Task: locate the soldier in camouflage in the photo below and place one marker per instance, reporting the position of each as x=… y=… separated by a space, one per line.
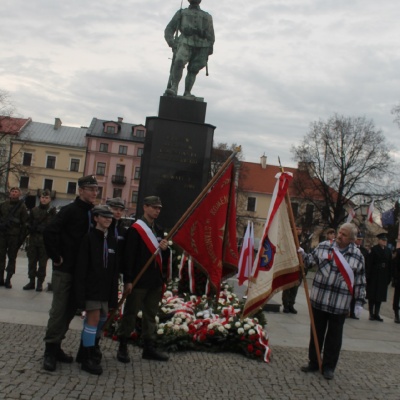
x=193 y=45
x=39 y=218
x=13 y=229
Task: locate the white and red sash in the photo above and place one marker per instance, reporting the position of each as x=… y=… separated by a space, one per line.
x=344 y=269
x=149 y=239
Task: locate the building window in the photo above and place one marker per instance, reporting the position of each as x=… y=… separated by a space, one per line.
x=123 y=150
x=137 y=173
x=27 y=159
x=120 y=170
x=51 y=162
x=110 y=129
x=74 y=164
x=140 y=152
x=139 y=133
x=117 y=192
x=135 y=196
x=24 y=182
x=101 y=168
x=251 y=204
x=48 y=184
x=104 y=147
x=71 y=188
x=99 y=193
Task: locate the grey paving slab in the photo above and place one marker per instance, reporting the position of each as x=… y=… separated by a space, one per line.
x=368 y=366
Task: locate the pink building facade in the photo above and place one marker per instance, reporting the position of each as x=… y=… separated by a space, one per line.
x=114 y=151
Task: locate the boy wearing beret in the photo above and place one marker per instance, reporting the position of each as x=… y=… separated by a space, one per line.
x=96 y=286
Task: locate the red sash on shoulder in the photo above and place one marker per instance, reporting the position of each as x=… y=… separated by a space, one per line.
x=344 y=268
x=149 y=239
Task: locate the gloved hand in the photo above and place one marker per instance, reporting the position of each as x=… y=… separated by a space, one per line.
x=301 y=251
x=358 y=309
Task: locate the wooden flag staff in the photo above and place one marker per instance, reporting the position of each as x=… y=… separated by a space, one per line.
x=172 y=232
x=301 y=264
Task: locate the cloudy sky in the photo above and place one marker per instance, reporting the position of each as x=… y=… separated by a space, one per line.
x=277 y=65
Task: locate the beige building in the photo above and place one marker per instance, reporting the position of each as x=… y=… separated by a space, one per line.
x=53 y=157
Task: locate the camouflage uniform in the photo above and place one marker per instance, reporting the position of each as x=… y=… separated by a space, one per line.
x=39 y=218
x=13 y=230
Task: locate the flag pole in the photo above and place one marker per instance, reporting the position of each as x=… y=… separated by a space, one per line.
x=172 y=232
x=301 y=264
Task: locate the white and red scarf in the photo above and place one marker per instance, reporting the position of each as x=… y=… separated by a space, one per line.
x=344 y=269
x=149 y=239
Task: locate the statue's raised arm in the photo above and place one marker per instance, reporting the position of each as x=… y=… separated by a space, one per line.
x=190 y=34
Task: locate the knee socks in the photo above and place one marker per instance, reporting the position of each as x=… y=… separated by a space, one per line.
x=103 y=319
x=88 y=335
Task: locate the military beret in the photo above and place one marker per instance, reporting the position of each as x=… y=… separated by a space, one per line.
x=104 y=211
x=152 y=201
x=89 y=180
x=382 y=236
x=116 y=202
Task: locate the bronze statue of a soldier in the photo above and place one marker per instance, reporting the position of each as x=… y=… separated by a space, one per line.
x=190 y=34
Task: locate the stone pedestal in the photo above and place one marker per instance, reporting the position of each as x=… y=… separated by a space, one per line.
x=177 y=156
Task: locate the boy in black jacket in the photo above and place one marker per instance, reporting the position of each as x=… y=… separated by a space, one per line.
x=96 y=286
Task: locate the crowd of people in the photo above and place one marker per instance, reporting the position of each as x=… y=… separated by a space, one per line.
x=347 y=276
x=91 y=249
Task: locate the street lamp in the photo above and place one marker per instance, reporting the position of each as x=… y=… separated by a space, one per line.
x=364 y=212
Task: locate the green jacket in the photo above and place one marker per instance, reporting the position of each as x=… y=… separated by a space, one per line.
x=13 y=218
x=39 y=218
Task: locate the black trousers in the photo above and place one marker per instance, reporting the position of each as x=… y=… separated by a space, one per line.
x=329 y=328
x=396 y=298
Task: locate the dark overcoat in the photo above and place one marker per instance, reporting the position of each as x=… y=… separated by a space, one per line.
x=378 y=273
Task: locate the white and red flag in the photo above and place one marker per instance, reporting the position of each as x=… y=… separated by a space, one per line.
x=351 y=215
x=370 y=211
x=246 y=258
x=276 y=266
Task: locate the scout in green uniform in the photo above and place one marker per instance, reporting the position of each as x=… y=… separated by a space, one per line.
x=39 y=218
x=13 y=229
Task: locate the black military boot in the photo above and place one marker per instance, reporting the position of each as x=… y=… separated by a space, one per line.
x=61 y=356
x=377 y=311
x=396 y=317
x=39 y=284
x=30 y=285
x=97 y=354
x=88 y=363
x=371 y=312
x=50 y=360
x=151 y=353
x=2 y=278
x=7 y=283
x=122 y=353
x=81 y=353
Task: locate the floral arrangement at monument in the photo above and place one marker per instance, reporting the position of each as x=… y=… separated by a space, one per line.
x=190 y=322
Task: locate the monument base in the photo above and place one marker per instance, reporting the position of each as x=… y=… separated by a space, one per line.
x=177 y=156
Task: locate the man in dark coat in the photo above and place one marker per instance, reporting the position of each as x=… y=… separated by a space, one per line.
x=379 y=275
x=39 y=218
x=118 y=227
x=13 y=230
x=396 y=283
x=142 y=240
x=62 y=239
x=364 y=252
